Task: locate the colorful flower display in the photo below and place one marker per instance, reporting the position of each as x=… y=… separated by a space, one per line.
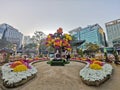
x=60 y=31
x=16 y=63
x=98 y=62
x=93 y=72
x=59 y=40
x=16 y=74
x=20 y=68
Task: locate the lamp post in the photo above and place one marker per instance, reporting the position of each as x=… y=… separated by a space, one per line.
x=105 y=55
x=15 y=49
x=38 y=49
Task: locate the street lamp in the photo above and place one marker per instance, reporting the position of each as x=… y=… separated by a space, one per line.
x=15 y=48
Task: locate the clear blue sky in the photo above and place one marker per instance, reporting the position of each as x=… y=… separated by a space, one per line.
x=48 y=15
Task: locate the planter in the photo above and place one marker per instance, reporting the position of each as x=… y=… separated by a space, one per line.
x=13 y=79
x=23 y=81
x=94 y=77
x=97 y=82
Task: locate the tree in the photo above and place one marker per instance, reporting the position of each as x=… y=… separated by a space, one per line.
x=33 y=39
x=80 y=52
x=116 y=56
x=50 y=49
x=10 y=45
x=38 y=36
x=30 y=46
x=106 y=56
x=91 y=48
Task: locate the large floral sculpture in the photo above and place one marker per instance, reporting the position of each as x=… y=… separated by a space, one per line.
x=17 y=73
x=59 y=41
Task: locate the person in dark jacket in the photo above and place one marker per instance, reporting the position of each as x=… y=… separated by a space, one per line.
x=68 y=56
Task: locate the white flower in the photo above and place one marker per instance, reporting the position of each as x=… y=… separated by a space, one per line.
x=14 y=77
x=92 y=75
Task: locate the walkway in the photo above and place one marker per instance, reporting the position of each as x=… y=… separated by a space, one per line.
x=66 y=78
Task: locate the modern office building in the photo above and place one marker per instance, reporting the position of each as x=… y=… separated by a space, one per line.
x=113 y=31
x=93 y=34
x=11 y=34
x=75 y=33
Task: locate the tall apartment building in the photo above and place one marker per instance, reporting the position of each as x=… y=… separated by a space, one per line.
x=113 y=31
x=93 y=34
x=11 y=34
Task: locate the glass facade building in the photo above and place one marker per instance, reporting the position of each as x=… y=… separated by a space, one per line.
x=11 y=34
x=113 y=31
x=75 y=33
x=93 y=34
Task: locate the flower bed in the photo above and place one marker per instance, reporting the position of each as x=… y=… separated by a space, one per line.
x=17 y=73
x=96 y=74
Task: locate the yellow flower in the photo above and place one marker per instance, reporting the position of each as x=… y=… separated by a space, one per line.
x=95 y=66
x=69 y=49
x=52 y=40
x=70 y=38
x=20 y=68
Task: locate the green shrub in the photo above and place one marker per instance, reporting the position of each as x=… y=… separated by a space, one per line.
x=60 y=62
x=57 y=63
x=41 y=55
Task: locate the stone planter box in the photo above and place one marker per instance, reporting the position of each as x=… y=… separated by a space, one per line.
x=23 y=81
x=97 y=82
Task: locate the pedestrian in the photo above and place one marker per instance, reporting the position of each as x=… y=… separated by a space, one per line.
x=68 y=56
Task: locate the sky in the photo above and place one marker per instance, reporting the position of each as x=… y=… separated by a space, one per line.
x=29 y=16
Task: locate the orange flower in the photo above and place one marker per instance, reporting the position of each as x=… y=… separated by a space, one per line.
x=60 y=31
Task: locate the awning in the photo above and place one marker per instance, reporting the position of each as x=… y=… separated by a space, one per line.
x=78 y=42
